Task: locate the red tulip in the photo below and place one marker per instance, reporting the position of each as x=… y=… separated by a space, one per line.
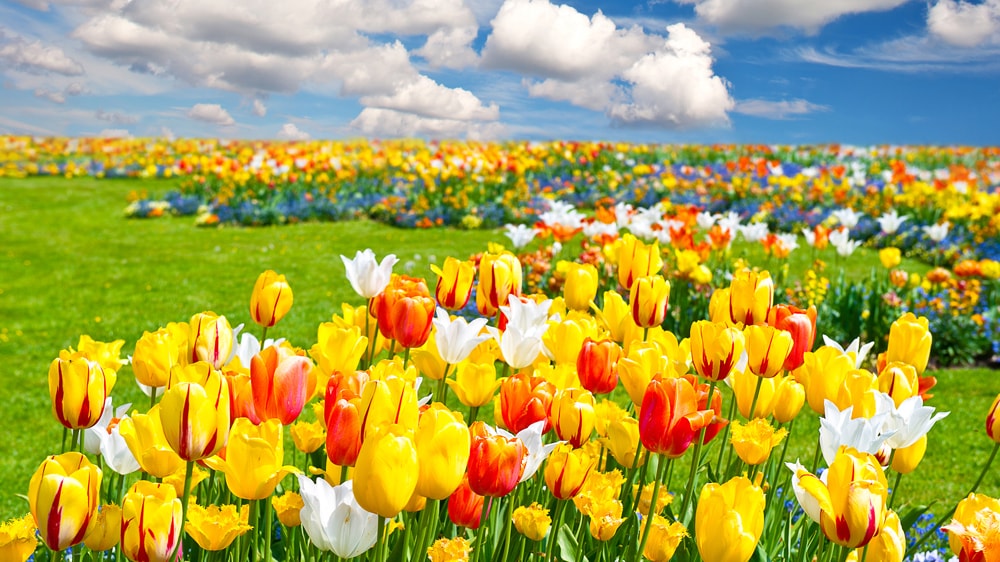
x=524 y=400
x=597 y=365
x=801 y=324
x=670 y=420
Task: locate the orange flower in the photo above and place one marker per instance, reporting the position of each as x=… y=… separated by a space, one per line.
x=801 y=324
x=597 y=365
x=404 y=311
x=669 y=420
x=524 y=400
x=279 y=382
x=495 y=463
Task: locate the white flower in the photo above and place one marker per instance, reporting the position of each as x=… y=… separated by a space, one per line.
x=789 y=241
x=841 y=239
x=729 y=221
x=847 y=217
x=810 y=235
x=837 y=428
x=530 y=317
x=910 y=421
x=706 y=220
x=333 y=520
x=456 y=338
x=597 y=228
x=531 y=436
x=563 y=214
x=249 y=345
x=810 y=504
x=754 y=232
x=520 y=235
x=623 y=215
x=518 y=349
x=890 y=222
x=368 y=277
x=109 y=442
x=854 y=349
x=937 y=232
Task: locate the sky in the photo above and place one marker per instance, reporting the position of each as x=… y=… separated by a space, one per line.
x=695 y=71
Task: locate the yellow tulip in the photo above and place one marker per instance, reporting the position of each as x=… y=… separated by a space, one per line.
x=972 y=526
x=649 y=299
x=581 y=285
x=253 y=462
x=729 y=520
x=822 y=374
x=767 y=349
x=616 y=318
x=338 y=349
x=644 y=361
x=499 y=277
x=427 y=359
x=600 y=488
x=157 y=352
x=664 y=538
x=454 y=283
x=63 y=495
x=605 y=519
x=287 y=506
x=143 y=433
x=890 y=257
x=449 y=550
x=909 y=342
x=307 y=436
x=623 y=440
x=107 y=354
x=715 y=349
x=636 y=259
x=475 y=384
x=788 y=400
x=900 y=381
x=195 y=411
x=105 y=529
x=17 y=539
x=744 y=385
x=443 y=442
x=564 y=339
x=216 y=527
x=389 y=401
x=79 y=388
x=533 y=522
x=905 y=460
x=567 y=470
x=754 y=441
x=644 y=499
x=572 y=415
x=889 y=545
x=210 y=339
x=386 y=471
x=151 y=522
x=751 y=294
x=271 y=299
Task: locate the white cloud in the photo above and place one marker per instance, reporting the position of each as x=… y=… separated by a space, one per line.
x=75 y=89
x=591 y=94
x=450 y=48
x=965 y=24
x=116 y=117
x=52 y=96
x=388 y=123
x=211 y=113
x=115 y=133
x=675 y=86
x=427 y=98
x=761 y=16
x=782 y=109
x=36 y=57
x=259 y=109
x=912 y=53
x=289 y=131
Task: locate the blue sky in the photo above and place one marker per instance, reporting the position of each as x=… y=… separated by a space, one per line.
x=747 y=71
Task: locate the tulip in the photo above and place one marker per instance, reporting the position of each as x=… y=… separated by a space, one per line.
x=900 y=381
x=565 y=337
x=450 y=550
x=338 y=349
x=253 y=461
x=216 y=527
x=143 y=434
x=443 y=444
x=751 y=294
x=789 y=398
x=745 y=386
x=891 y=221
x=241 y=403
x=636 y=259
x=729 y=520
x=307 y=436
x=271 y=299
x=993 y=420
x=151 y=522
x=367 y=276
x=79 y=388
x=495 y=463
x=533 y=522
x=801 y=324
x=385 y=402
x=767 y=349
x=404 y=311
x=623 y=440
x=909 y=342
x=104 y=438
x=454 y=283
x=17 y=539
x=334 y=520
x=537 y=452
x=157 y=352
x=572 y=415
x=644 y=361
x=279 y=380
x=972 y=533
x=288 y=507
x=195 y=411
x=63 y=495
x=850 y=506
x=906 y=459
x=499 y=277
x=715 y=349
x=465 y=507
x=754 y=441
x=386 y=471
x=210 y=339
x=597 y=365
x=616 y=318
x=457 y=338
x=889 y=545
x=649 y=298
x=524 y=400
x=105 y=529
x=605 y=519
x=567 y=471
x=580 y=287
x=823 y=373
x=890 y=257
x=475 y=383
x=669 y=419
x=664 y=538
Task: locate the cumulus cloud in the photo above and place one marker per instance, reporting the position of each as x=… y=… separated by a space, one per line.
x=591 y=94
x=675 y=86
x=427 y=98
x=37 y=57
x=211 y=113
x=389 y=123
x=52 y=96
x=782 y=109
x=289 y=131
x=450 y=48
x=259 y=109
x=761 y=16
x=965 y=24
x=116 y=117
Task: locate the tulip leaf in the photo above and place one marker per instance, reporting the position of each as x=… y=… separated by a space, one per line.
x=569 y=549
x=759 y=555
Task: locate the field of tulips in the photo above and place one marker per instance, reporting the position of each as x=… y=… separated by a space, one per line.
x=487 y=421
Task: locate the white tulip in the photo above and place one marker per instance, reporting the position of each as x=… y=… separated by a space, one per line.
x=368 y=277
x=456 y=337
x=333 y=520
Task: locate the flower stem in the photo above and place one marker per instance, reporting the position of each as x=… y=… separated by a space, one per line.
x=553 y=534
x=268 y=531
x=188 y=472
x=660 y=472
x=695 y=460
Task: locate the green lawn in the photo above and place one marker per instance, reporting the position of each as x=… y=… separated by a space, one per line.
x=71 y=264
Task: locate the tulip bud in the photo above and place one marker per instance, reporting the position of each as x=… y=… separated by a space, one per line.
x=495 y=464
x=636 y=259
x=899 y=381
x=649 y=299
x=151 y=522
x=157 y=352
x=79 y=388
x=465 y=507
x=271 y=299
x=572 y=415
x=993 y=420
x=279 y=380
x=63 y=495
x=567 y=470
x=767 y=349
x=623 y=440
x=905 y=460
x=801 y=324
x=499 y=277
x=909 y=342
x=751 y=294
x=581 y=285
x=386 y=472
x=715 y=349
x=664 y=538
x=211 y=339
x=443 y=443
x=195 y=411
x=789 y=398
x=104 y=529
x=597 y=365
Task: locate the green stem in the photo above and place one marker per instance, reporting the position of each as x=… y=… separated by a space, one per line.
x=756 y=396
x=380 y=540
x=65 y=434
x=442 y=389
x=695 y=460
x=660 y=472
x=725 y=437
x=371 y=344
x=554 y=532
x=188 y=472
x=895 y=486
x=406 y=357
x=152 y=397
x=473 y=412
x=263 y=335
x=343 y=473
x=508 y=523
x=268 y=530
x=483 y=531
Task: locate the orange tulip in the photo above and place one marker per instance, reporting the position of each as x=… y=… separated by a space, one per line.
x=524 y=400
x=465 y=507
x=495 y=463
x=404 y=311
x=279 y=381
x=801 y=324
x=597 y=365
x=669 y=420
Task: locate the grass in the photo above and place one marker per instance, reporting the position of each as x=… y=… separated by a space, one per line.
x=70 y=264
